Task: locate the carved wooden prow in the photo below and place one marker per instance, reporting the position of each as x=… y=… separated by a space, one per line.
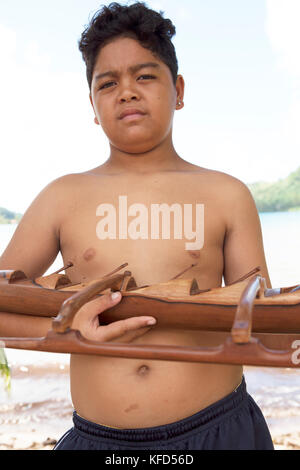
x=55 y=280
x=12 y=276
x=242 y=325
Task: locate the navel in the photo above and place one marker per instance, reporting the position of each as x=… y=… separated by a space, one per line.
x=89 y=254
x=143 y=370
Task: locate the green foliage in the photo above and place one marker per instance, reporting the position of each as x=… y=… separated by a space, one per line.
x=284 y=195
x=5 y=370
x=8 y=217
x=6 y=213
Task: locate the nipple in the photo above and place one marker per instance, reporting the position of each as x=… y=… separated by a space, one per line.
x=89 y=254
x=195 y=254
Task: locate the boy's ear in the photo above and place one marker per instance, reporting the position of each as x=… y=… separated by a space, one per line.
x=95 y=118
x=180 y=92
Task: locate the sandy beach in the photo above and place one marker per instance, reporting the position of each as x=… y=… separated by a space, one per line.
x=38 y=409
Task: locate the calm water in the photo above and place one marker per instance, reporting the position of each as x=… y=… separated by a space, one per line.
x=281 y=234
x=40 y=396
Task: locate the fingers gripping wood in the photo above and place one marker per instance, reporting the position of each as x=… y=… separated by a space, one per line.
x=71 y=306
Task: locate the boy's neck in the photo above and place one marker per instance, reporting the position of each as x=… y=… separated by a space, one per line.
x=159 y=159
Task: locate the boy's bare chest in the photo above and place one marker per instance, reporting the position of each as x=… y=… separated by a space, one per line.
x=158 y=229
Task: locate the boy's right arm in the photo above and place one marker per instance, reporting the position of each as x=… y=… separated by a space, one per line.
x=32 y=249
x=35 y=243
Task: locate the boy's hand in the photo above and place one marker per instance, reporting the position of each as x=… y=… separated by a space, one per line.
x=87 y=322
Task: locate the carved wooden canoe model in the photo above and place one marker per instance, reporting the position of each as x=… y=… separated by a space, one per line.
x=254 y=316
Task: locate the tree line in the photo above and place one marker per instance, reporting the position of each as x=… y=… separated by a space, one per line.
x=9 y=217
x=283 y=195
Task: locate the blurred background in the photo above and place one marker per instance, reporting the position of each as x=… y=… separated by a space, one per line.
x=241 y=64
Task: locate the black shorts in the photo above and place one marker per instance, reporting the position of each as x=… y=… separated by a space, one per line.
x=233 y=423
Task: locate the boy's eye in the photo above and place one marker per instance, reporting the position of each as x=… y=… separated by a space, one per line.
x=106 y=85
x=109 y=84
x=146 y=76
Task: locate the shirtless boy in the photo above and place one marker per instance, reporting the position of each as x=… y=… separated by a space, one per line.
x=129 y=403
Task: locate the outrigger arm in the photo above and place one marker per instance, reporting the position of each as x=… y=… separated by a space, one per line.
x=240 y=347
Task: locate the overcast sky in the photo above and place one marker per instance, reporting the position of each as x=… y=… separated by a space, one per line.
x=241 y=64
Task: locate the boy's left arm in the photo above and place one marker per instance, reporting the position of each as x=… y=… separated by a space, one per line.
x=243 y=244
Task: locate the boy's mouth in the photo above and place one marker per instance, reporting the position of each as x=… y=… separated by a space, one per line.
x=130 y=114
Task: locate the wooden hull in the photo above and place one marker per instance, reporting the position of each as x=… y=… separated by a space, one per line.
x=264 y=325
x=214 y=310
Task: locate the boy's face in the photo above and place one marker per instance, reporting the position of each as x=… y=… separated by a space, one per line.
x=128 y=86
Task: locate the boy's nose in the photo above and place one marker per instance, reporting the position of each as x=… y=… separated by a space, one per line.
x=127 y=93
x=127 y=99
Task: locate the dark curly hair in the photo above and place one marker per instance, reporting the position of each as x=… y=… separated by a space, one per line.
x=136 y=21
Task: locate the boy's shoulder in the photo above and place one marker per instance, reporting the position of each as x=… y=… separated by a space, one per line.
x=222 y=183
x=65 y=182
x=55 y=197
